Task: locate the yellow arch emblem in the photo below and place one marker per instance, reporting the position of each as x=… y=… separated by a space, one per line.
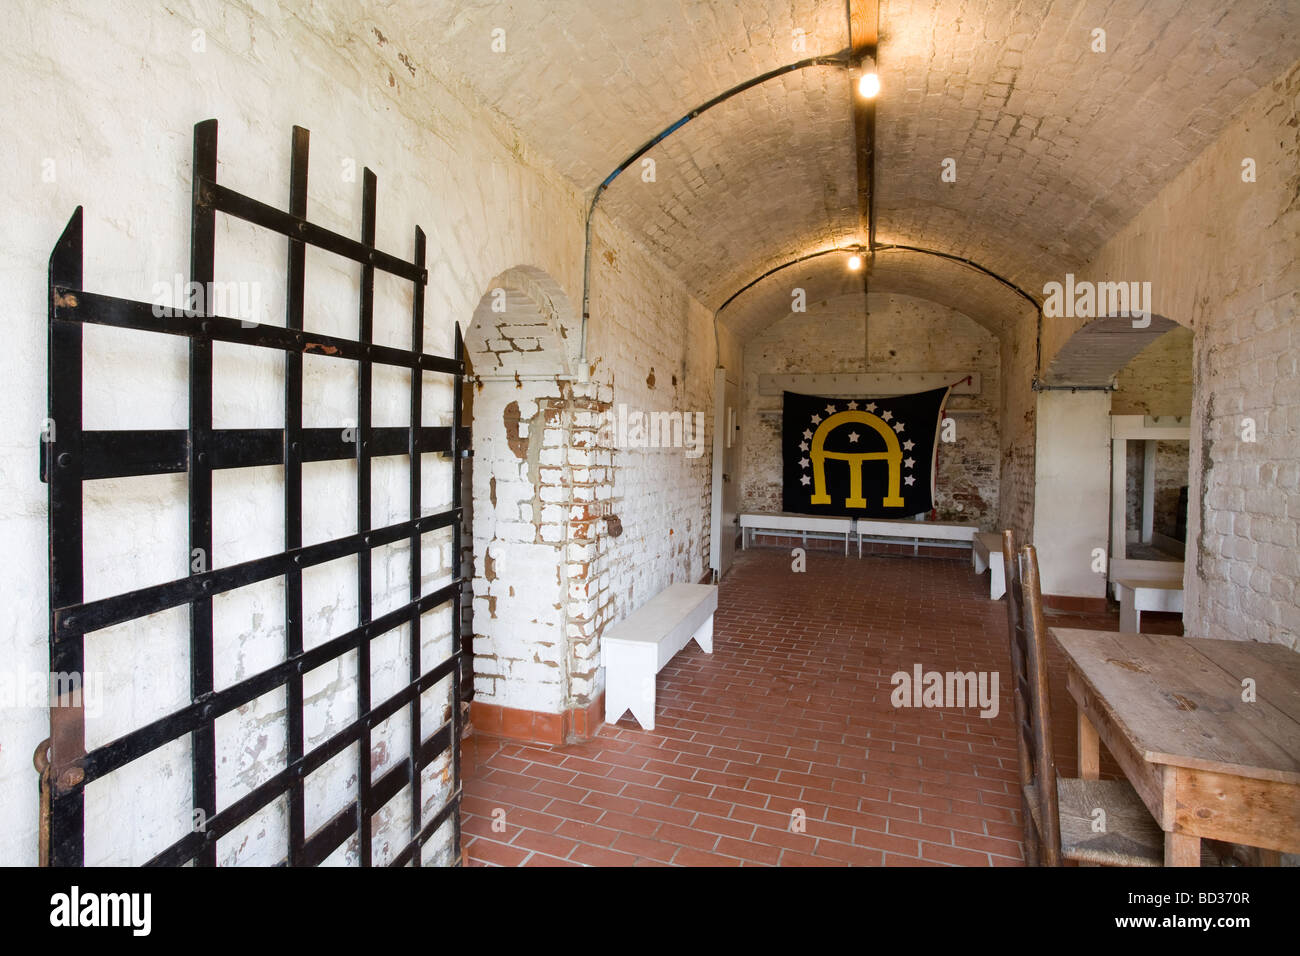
x=892 y=454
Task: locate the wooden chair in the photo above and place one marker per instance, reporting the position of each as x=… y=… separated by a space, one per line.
x=1060 y=816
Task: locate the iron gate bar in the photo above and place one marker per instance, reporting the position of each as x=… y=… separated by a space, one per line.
x=136 y=743
x=67 y=726
x=72 y=622
x=428 y=830
x=456 y=503
x=82 y=306
x=203 y=255
x=364 y=559
x=223 y=199
x=122 y=454
x=291 y=450
x=258 y=798
x=415 y=420
x=76 y=456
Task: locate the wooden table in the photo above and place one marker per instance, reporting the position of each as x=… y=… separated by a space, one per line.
x=1207 y=764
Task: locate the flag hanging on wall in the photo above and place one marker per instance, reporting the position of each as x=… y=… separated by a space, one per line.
x=860 y=457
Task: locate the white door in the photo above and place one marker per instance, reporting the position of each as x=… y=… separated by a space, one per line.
x=726 y=483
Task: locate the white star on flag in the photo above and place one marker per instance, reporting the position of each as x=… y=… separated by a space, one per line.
x=898 y=426
x=908 y=446
x=804 y=480
x=886 y=415
x=871 y=407
x=807 y=433
x=853 y=404
x=803 y=445
x=909 y=480
x=803 y=462
x=909 y=462
x=830 y=409
x=816 y=419
x=853 y=436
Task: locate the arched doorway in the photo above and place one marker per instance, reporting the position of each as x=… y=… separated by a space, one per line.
x=1112 y=396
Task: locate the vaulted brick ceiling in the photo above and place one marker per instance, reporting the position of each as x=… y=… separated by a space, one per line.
x=987 y=301
x=1056 y=146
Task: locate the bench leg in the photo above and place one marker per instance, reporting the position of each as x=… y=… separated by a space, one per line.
x=704 y=636
x=1130 y=618
x=997 y=578
x=630 y=684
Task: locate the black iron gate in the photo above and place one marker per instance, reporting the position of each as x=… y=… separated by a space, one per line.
x=72 y=455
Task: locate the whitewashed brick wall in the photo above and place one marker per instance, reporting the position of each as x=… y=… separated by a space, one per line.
x=652 y=348
x=1221 y=254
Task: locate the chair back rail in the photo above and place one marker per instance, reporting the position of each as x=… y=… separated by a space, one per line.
x=1019 y=685
x=1040 y=706
x=1026 y=630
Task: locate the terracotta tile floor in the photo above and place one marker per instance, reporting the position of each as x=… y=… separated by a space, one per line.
x=790 y=713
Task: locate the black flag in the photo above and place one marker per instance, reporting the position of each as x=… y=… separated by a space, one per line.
x=860 y=457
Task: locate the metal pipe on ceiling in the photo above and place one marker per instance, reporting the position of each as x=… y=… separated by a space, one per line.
x=849 y=250
x=842 y=60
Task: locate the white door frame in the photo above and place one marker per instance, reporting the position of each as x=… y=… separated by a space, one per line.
x=1148 y=429
x=724 y=431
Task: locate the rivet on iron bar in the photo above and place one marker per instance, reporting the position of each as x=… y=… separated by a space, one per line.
x=71 y=777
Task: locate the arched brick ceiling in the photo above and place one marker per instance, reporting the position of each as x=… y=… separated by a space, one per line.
x=588 y=81
x=1056 y=146
x=901 y=272
x=731 y=194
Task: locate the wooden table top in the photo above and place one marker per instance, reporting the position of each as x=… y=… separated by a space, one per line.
x=1178 y=700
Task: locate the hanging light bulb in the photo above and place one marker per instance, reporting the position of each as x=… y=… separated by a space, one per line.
x=868 y=79
x=855 y=262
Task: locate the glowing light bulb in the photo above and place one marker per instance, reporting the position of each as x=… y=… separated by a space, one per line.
x=868 y=81
x=855 y=262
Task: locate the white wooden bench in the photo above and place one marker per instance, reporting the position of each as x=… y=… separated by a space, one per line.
x=1145 y=586
x=986 y=555
x=794 y=523
x=635 y=649
x=785 y=522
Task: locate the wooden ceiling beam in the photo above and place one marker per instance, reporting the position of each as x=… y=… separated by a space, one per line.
x=864 y=24
x=864 y=33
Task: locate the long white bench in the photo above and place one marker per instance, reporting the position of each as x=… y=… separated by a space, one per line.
x=785 y=522
x=986 y=555
x=1145 y=586
x=635 y=649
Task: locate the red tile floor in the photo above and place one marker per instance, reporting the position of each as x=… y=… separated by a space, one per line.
x=790 y=713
